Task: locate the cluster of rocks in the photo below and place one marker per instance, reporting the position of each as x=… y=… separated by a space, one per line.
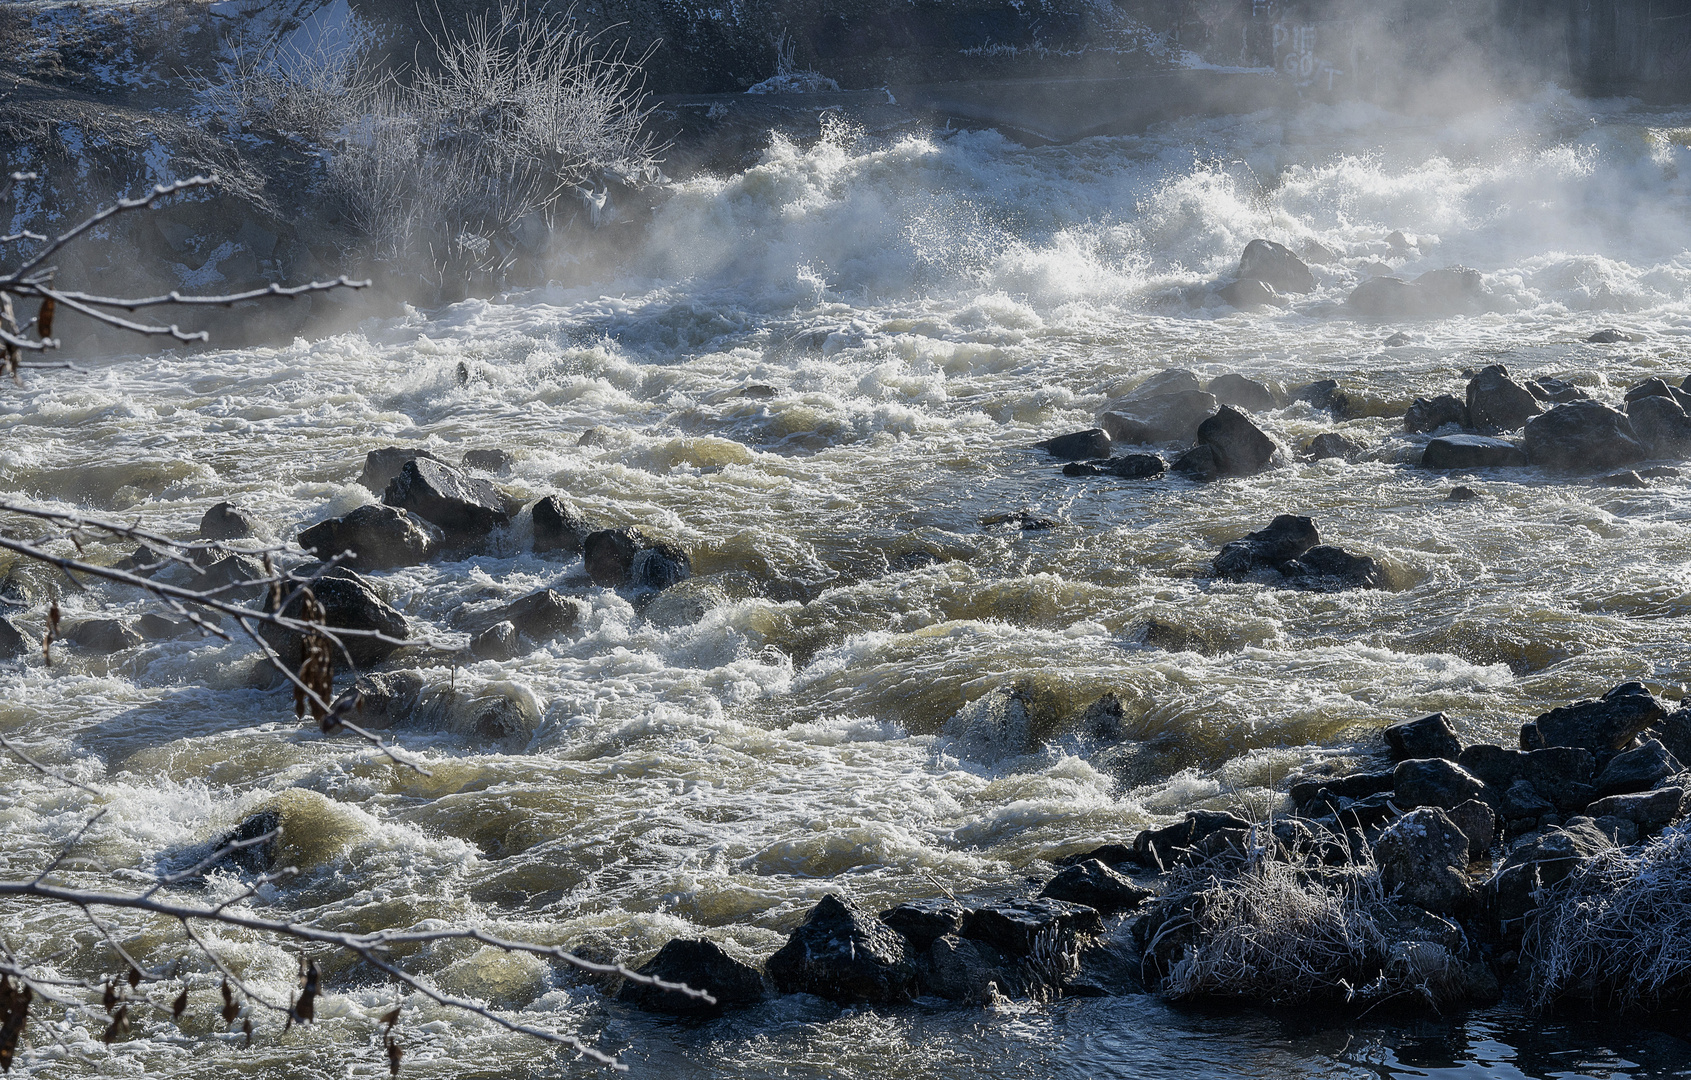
x=1466 y=840
x=1561 y=427
x=1290 y=552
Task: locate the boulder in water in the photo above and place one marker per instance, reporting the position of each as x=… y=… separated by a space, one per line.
x=1326 y=396
x=381 y=466
x=1385 y=298
x=1429 y=737
x=349 y=603
x=1275 y=265
x=1636 y=770
x=1451 y=290
x=558 y=526
x=1330 y=444
x=1201 y=464
x=1423 y=855
x=158 y=628
x=491 y=461
x=1602 y=726
x=465 y=508
x=842 y=955
x=379 y=537
x=699 y=965
x=1167 y=381
x=1498 y=403
x=13 y=643
x=1436 y=782
x=961 y=969
x=1240 y=392
x=498 y=642
x=1555 y=391
x=226 y=521
x=1015 y=927
x=1459 y=452
x=382 y=699
x=1660 y=425
x=1239 y=446
x=1091 y=443
x=1172 y=417
x=1247 y=293
x=1584 y=436
x=1325 y=568
x=1608 y=336
x=1285 y=538
x=541 y=615
x=625 y=557
x=103 y=636
x=923 y=922
x=1430 y=414
x=1126 y=467
x=1096 y=886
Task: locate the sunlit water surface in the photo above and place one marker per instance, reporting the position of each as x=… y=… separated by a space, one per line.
x=925 y=310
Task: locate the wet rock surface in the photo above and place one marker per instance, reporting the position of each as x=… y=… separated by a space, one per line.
x=465 y=508
x=379 y=538
x=1584 y=436
x=842 y=955
x=700 y=965
x=349 y=603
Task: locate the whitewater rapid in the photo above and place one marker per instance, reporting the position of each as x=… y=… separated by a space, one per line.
x=819 y=708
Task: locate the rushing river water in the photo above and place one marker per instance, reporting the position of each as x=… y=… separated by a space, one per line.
x=811 y=712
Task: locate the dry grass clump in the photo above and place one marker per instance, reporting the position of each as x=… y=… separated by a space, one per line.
x=1618 y=928
x=1279 y=928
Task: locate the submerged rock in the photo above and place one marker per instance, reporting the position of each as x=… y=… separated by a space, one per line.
x=1091 y=443
x=1584 y=436
x=1167 y=381
x=841 y=955
x=1385 y=298
x=1325 y=568
x=492 y=461
x=701 y=965
x=1608 y=336
x=1429 y=737
x=1602 y=726
x=1430 y=414
x=349 y=603
x=1459 y=452
x=465 y=508
x=226 y=521
x=1126 y=467
x=1274 y=264
x=379 y=537
x=1325 y=396
x=1423 y=854
x=1498 y=403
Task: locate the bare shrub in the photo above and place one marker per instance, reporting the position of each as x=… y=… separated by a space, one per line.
x=1618 y=928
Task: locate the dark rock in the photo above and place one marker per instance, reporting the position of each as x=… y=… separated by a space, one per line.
x=1452 y=452
x=226 y=521
x=1354 y=786
x=1478 y=823
x=1496 y=766
x=1522 y=802
x=1674 y=731
x=1436 y=782
x=925 y=921
x=1561 y=774
x=1582 y=436
x=1330 y=444
x=232 y=576
x=842 y=955
x=1608 y=336
x=962 y=969
x=1651 y=811
x=142 y=562
x=1325 y=396
x=1462 y=494
x=1385 y=298
x=1498 y=403
x=254 y=855
x=1014 y=926
x=1599 y=726
x=382 y=699
x=1422 y=855
x=1617 y=831
x=541 y=615
x=1316 y=252
x=1555 y=391
x=1096 y=886
x=1399 y=242
x=158 y=628
x=1658 y=387
x=1247 y=293
x=1201 y=464
x=466 y=508
x=1430 y=414
x=103 y=636
x=1397 y=340
x=1091 y=443
x=1025 y=519
x=498 y=642
x=1660 y=424
x=663 y=564
x=701 y=965
x=558 y=527
x=1450 y=290
x=1172 y=417
x=1626 y=479
x=1155 y=847
x=349 y=603
x=1330 y=569
x=757 y=391
x=1429 y=737
x=1542 y=862
x=1286 y=537
x=1240 y=392
x=1168 y=381
x=13 y=643
x=379 y=537
x=1274 y=264
x=381 y=466
x=1241 y=449
x=1635 y=770
x=1126 y=467
x=609 y=554
x=492 y=461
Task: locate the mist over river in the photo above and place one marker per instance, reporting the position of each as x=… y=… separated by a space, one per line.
x=818 y=709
